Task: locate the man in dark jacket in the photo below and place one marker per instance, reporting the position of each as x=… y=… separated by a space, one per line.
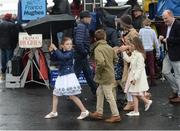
x=111 y=3
x=111 y=32
x=76 y=7
x=60 y=7
x=132 y=3
x=171 y=38
x=137 y=17
x=7 y=44
x=82 y=49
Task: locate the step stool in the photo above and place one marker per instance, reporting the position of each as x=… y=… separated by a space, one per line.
x=12 y=81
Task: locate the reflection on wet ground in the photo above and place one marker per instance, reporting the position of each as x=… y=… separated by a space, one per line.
x=25 y=108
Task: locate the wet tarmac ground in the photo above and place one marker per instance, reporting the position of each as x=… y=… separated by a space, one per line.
x=25 y=108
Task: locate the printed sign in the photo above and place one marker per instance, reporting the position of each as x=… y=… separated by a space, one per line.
x=30 y=41
x=33 y=9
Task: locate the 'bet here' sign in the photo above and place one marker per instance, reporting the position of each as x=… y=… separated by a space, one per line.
x=30 y=41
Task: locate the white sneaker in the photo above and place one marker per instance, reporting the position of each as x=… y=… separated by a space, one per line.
x=1 y=81
x=83 y=115
x=132 y=113
x=51 y=115
x=148 y=105
x=2 y=78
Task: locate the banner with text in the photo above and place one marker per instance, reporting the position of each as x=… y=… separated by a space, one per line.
x=30 y=41
x=33 y=9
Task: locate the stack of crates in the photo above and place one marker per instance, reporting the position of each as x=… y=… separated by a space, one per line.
x=82 y=79
x=12 y=81
x=53 y=75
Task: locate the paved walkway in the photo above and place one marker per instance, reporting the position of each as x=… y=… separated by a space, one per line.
x=24 y=108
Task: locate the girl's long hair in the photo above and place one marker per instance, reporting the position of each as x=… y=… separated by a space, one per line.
x=65 y=39
x=139 y=46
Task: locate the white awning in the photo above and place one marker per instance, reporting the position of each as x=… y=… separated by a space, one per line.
x=8 y=8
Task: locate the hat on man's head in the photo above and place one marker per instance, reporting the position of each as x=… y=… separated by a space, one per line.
x=84 y=14
x=7 y=16
x=137 y=8
x=126 y=20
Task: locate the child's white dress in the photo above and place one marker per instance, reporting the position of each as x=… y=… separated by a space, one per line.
x=67 y=85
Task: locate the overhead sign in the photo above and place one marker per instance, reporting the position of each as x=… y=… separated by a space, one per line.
x=30 y=41
x=33 y=9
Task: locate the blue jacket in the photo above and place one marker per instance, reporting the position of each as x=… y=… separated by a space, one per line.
x=82 y=40
x=65 y=59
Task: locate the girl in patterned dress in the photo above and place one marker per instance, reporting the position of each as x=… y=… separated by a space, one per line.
x=66 y=83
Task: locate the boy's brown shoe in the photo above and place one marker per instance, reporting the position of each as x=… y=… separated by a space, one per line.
x=96 y=115
x=129 y=107
x=175 y=100
x=173 y=95
x=113 y=119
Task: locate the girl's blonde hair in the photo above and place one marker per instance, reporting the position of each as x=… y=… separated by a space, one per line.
x=65 y=39
x=139 y=46
x=147 y=22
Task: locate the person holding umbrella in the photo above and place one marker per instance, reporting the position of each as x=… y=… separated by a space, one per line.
x=66 y=83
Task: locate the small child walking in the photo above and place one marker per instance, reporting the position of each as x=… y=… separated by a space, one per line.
x=66 y=83
x=149 y=39
x=105 y=58
x=136 y=83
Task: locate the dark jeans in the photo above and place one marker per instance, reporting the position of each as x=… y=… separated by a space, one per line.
x=6 y=55
x=83 y=65
x=150 y=64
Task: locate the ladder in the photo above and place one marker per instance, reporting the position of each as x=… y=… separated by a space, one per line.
x=90 y=5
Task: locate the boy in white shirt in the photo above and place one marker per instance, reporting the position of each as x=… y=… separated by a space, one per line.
x=149 y=38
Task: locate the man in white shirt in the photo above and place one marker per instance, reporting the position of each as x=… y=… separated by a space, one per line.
x=172 y=59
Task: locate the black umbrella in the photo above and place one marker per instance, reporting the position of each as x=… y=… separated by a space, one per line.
x=50 y=23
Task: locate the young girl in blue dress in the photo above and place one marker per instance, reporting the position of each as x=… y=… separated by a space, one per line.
x=66 y=83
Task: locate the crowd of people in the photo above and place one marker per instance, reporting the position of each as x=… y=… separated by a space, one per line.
x=125 y=60
x=136 y=48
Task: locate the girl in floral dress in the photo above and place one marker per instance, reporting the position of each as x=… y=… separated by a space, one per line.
x=66 y=83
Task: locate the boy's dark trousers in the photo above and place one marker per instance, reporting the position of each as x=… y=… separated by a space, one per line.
x=82 y=64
